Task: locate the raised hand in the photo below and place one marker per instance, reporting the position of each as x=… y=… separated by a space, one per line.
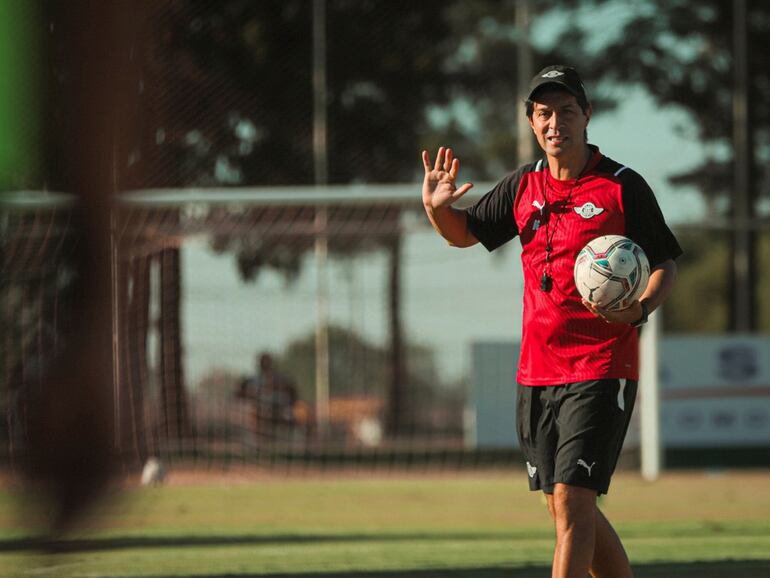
x=439 y=188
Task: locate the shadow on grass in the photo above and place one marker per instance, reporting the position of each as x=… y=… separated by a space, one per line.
x=105 y=543
x=140 y=542
x=723 y=569
x=719 y=569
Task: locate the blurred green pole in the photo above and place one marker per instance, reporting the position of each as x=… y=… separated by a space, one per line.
x=20 y=101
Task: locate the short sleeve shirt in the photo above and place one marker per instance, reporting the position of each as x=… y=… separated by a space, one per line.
x=562 y=342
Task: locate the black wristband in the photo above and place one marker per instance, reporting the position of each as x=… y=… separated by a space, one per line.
x=645 y=314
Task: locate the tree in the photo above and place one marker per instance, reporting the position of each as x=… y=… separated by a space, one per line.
x=682 y=54
x=249 y=65
x=362 y=368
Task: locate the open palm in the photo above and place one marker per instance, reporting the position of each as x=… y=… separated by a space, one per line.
x=439 y=188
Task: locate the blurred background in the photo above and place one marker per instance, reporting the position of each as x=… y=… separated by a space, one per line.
x=231 y=189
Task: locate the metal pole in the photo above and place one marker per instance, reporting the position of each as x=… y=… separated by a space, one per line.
x=649 y=388
x=321 y=164
x=742 y=290
x=116 y=327
x=320 y=146
x=525 y=146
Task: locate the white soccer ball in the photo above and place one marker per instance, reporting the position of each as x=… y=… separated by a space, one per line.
x=611 y=272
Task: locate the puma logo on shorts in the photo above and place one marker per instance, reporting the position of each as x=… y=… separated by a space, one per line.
x=582 y=462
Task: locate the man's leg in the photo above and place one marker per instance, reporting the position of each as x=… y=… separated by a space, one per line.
x=609 y=558
x=575 y=516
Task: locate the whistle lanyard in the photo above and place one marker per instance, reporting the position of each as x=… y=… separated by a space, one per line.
x=546 y=281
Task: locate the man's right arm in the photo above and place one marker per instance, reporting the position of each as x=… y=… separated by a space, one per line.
x=452 y=224
x=439 y=193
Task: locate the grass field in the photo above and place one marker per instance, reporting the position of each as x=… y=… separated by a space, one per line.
x=467 y=525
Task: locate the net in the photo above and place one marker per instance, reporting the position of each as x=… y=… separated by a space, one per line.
x=208 y=94
x=38 y=265
x=221 y=348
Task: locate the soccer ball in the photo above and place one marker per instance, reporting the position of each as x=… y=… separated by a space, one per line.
x=611 y=272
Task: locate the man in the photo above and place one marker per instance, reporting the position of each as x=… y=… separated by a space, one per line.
x=274 y=396
x=579 y=366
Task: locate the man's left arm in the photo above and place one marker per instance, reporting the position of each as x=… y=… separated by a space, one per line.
x=647 y=227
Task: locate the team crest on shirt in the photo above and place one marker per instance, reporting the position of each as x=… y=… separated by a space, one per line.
x=589 y=210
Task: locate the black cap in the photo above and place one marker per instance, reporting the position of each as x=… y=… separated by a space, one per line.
x=559 y=75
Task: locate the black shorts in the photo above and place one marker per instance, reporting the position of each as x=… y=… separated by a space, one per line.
x=573 y=433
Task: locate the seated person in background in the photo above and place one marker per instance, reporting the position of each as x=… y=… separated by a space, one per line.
x=273 y=394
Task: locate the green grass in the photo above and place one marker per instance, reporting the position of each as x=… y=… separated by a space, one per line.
x=453 y=525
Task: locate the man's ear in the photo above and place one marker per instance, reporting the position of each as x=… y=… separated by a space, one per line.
x=589 y=112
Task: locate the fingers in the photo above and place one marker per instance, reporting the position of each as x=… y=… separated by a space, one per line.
x=439 y=159
x=592 y=308
x=454 y=168
x=448 y=160
x=426 y=161
x=462 y=190
x=606 y=316
x=445 y=161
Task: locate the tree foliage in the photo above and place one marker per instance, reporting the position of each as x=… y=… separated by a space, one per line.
x=402 y=75
x=359 y=367
x=681 y=53
x=706 y=254
x=236 y=91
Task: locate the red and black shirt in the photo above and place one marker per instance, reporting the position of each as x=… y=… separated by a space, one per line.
x=562 y=342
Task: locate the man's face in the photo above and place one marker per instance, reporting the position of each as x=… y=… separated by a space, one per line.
x=558 y=122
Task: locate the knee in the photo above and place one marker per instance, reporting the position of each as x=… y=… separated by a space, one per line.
x=572 y=506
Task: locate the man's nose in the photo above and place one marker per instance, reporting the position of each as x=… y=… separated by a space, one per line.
x=554 y=122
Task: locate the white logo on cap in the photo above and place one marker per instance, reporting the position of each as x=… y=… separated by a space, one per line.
x=552 y=74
